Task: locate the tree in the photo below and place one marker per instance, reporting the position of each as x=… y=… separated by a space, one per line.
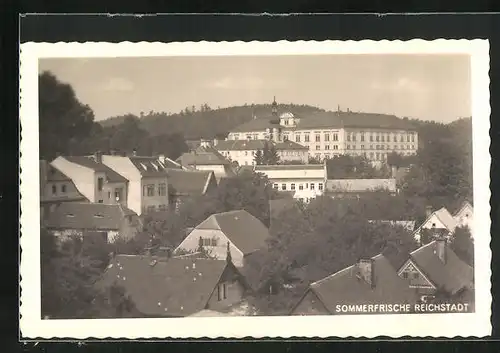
x=463 y=245
x=63 y=119
x=258 y=157
x=269 y=154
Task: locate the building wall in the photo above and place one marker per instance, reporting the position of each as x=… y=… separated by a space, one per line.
x=294 y=155
x=319 y=185
x=156 y=201
x=124 y=167
x=82 y=177
x=70 y=190
x=465 y=218
x=218 y=251
x=310 y=305
x=234 y=291
x=432 y=222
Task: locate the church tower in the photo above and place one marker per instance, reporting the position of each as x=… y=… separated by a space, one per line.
x=274 y=108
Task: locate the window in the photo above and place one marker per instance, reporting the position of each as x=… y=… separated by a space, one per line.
x=100 y=201
x=54 y=190
x=377 y=156
x=63 y=188
x=327 y=147
x=148 y=190
x=383 y=140
x=412 y=137
x=407 y=138
x=395 y=138
x=401 y=139
x=381 y=147
x=362 y=137
x=335 y=137
x=405 y=275
x=150 y=209
x=371 y=138
x=371 y=155
x=275 y=186
x=162 y=189
x=312 y=186
x=213 y=242
x=317 y=137
x=317 y=147
x=221 y=292
x=109 y=195
x=362 y=147
x=100 y=183
x=327 y=155
x=354 y=137
x=118 y=194
x=377 y=147
x=415 y=275
x=412 y=147
x=283 y=186
x=307 y=185
x=320 y=186
x=317 y=155
x=348 y=137
x=327 y=137
x=162 y=207
x=306 y=138
x=377 y=138
x=292 y=186
x=301 y=187
x=297 y=138
x=348 y=147
x=335 y=147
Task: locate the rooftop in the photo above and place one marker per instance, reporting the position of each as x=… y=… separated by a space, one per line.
x=90 y=216
x=203 y=156
x=189 y=182
x=245 y=231
x=182 y=286
x=88 y=162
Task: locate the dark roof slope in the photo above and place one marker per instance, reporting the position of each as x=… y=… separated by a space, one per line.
x=88 y=162
x=245 y=231
x=87 y=216
x=452 y=276
x=344 y=287
x=188 y=182
x=258 y=124
x=51 y=173
x=165 y=287
x=203 y=156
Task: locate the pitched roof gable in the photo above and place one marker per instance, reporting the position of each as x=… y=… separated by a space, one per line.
x=344 y=287
x=88 y=162
x=189 y=182
x=451 y=275
x=90 y=216
x=182 y=286
x=245 y=231
x=203 y=156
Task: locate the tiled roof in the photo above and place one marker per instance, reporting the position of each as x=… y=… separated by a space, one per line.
x=98 y=167
x=451 y=275
x=289 y=167
x=188 y=182
x=290 y=145
x=245 y=231
x=241 y=145
x=165 y=287
x=344 y=287
x=87 y=216
x=333 y=120
x=203 y=156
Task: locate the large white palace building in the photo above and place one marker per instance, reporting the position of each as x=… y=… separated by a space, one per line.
x=327 y=134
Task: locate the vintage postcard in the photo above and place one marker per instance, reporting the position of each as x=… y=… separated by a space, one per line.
x=261 y=189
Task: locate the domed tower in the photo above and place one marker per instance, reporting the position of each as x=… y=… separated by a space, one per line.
x=274 y=108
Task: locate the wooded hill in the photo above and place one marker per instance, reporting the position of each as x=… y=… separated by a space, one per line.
x=205 y=122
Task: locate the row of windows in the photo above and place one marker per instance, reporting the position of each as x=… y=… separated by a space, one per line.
x=382 y=147
x=54 y=189
x=208 y=241
x=301 y=186
x=317 y=137
x=149 y=190
x=381 y=137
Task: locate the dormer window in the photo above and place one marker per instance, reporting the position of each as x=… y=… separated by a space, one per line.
x=70 y=215
x=99 y=215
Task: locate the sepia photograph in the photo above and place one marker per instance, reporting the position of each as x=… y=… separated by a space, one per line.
x=232 y=181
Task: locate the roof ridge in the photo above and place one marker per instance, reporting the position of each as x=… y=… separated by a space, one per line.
x=422 y=247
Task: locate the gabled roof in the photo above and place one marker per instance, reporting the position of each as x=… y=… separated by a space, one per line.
x=90 y=216
x=444 y=216
x=344 y=287
x=203 y=156
x=462 y=207
x=189 y=182
x=88 y=162
x=151 y=166
x=290 y=145
x=165 y=287
x=451 y=275
x=245 y=231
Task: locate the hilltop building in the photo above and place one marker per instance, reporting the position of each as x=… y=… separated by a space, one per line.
x=327 y=134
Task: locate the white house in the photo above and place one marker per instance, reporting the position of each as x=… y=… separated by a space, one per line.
x=465 y=216
x=307 y=181
x=440 y=220
x=243 y=232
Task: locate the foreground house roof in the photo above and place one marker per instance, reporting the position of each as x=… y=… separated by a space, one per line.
x=345 y=287
x=245 y=231
x=451 y=275
x=90 y=216
x=165 y=287
x=88 y=162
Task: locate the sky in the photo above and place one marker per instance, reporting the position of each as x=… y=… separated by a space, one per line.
x=428 y=87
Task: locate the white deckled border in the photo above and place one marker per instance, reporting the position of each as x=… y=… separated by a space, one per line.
x=418 y=325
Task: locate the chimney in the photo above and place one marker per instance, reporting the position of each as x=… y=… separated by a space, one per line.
x=441 y=248
x=215 y=142
x=134 y=152
x=204 y=143
x=229 y=258
x=161 y=158
x=98 y=157
x=366 y=270
x=428 y=211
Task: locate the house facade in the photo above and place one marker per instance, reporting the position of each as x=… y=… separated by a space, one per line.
x=306 y=181
x=464 y=217
x=440 y=220
x=183 y=287
x=108 y=222
x=94 y=180
x=55 y=186
x=148 y=181
x=243 y=151
x=238 y=230
x=327 y=134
